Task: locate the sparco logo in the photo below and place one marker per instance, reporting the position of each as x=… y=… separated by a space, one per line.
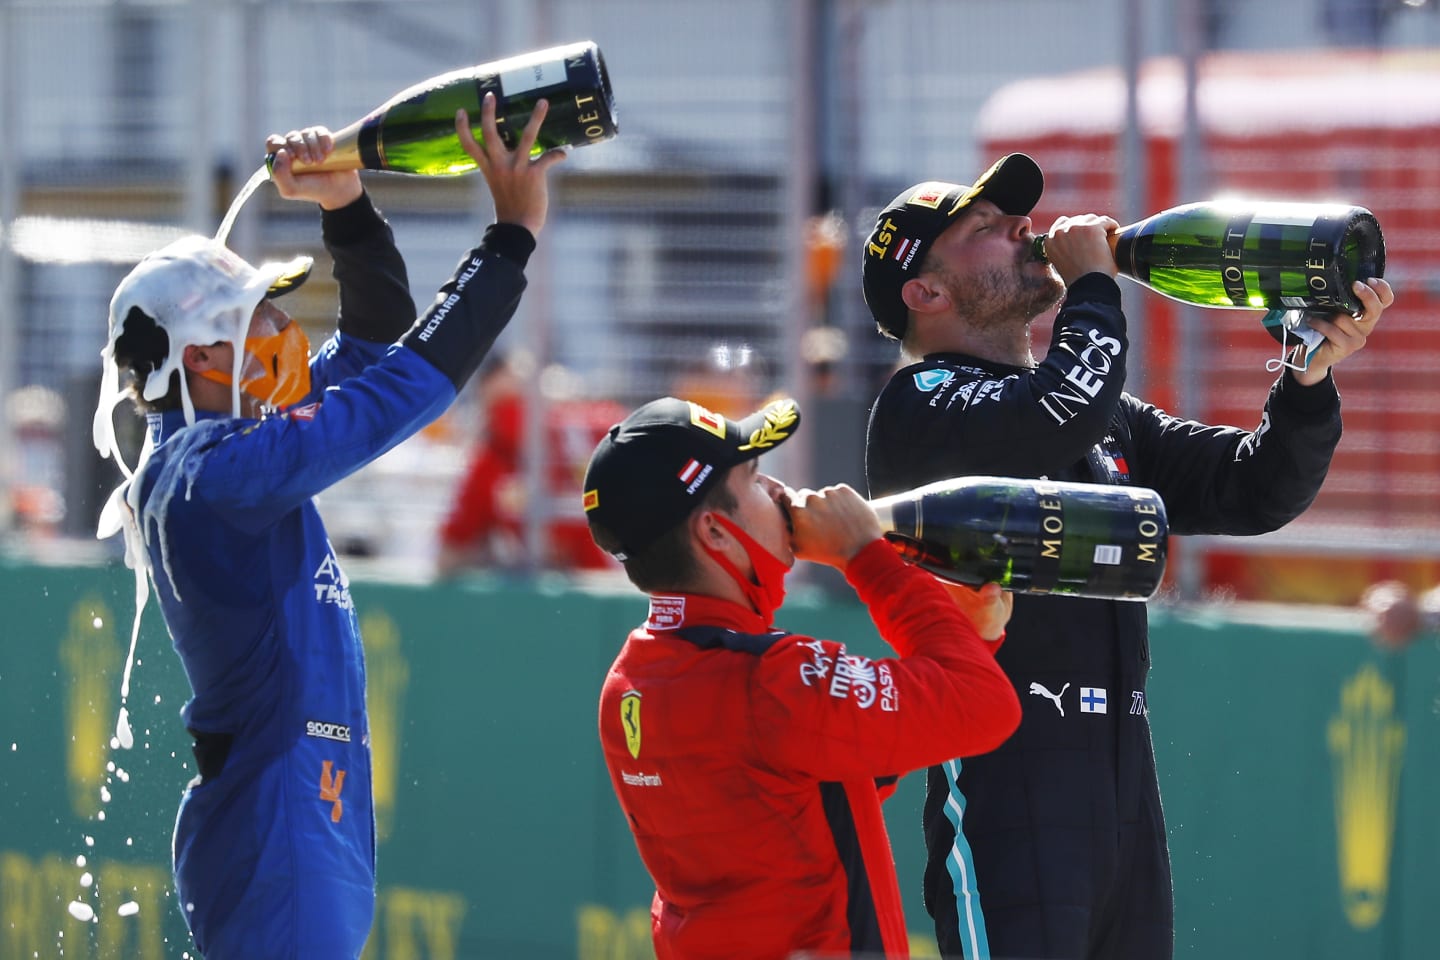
x=327 y=731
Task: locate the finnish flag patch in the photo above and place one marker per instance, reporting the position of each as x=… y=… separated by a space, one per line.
x=1092 y=700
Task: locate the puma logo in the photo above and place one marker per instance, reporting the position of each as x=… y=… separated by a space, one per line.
x=1044 y=691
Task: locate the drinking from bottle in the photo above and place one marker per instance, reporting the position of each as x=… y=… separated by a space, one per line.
x=414 y=131
x=1033 y=536
x=1261 y=256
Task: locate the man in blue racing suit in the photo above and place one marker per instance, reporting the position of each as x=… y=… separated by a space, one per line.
x=274 y=847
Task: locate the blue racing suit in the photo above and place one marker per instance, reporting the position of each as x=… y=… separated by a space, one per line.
x=274 y=845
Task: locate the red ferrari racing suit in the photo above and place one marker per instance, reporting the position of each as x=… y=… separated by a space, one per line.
x=750 y=763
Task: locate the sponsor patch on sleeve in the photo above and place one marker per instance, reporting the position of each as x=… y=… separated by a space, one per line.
x=306 y=412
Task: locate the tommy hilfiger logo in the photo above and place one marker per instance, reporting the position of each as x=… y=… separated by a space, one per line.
x=1112 y=458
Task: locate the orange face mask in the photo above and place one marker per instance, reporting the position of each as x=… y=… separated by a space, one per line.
x=276 y=370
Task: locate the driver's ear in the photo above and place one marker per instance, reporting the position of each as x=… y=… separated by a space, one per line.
x=197 y=358
x=706 y=530
x=923 y=295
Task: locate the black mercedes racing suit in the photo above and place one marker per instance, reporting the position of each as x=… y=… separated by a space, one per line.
x=1062 y=851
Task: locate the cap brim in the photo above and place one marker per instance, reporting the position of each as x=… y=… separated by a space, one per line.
x=1013 y=183
x=286 y=277
x=767 y=427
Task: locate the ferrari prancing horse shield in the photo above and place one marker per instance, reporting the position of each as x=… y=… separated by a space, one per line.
x=630 y=720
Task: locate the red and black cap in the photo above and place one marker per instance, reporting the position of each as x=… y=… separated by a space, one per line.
x=907 y=227
x=653 y=467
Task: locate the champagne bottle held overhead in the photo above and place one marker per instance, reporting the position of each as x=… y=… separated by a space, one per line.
x=1261 y=256
x=414 y=131
x=1033 y=536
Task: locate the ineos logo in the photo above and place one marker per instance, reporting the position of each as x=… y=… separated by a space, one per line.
x=1087 y=376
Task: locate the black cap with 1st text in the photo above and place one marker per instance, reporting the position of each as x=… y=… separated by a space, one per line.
x=907 y=227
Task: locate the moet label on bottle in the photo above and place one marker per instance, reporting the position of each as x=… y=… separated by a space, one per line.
x=1232 y=256
x=1322 y=274
x=532 y=77
x=1317 y=272
x=1046 y=572
x=1033 y=536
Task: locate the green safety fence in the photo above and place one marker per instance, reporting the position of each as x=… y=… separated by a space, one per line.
x=1299 y=767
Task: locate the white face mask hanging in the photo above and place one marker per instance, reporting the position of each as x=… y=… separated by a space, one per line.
x=1292 y=328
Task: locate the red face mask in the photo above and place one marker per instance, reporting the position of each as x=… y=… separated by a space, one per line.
x=276 y=370
x=767 y=592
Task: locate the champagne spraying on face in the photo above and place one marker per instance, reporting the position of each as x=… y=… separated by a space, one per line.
x=414 y=131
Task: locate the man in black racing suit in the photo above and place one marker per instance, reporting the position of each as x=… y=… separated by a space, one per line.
x=1054 y=845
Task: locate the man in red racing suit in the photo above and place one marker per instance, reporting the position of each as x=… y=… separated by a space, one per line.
x=750 y=762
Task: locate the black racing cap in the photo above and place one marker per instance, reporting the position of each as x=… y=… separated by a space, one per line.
x=651 y=468
x=905 y=229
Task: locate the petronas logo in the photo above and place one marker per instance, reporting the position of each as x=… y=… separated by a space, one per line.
x=387 y=674
x=90 y=661
x=1367 y=746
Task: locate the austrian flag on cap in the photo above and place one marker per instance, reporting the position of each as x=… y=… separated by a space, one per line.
x=687 y=473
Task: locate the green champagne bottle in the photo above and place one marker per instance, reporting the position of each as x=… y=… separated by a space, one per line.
x=1033 y=536
x=1261 y=256
x=414 y=131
